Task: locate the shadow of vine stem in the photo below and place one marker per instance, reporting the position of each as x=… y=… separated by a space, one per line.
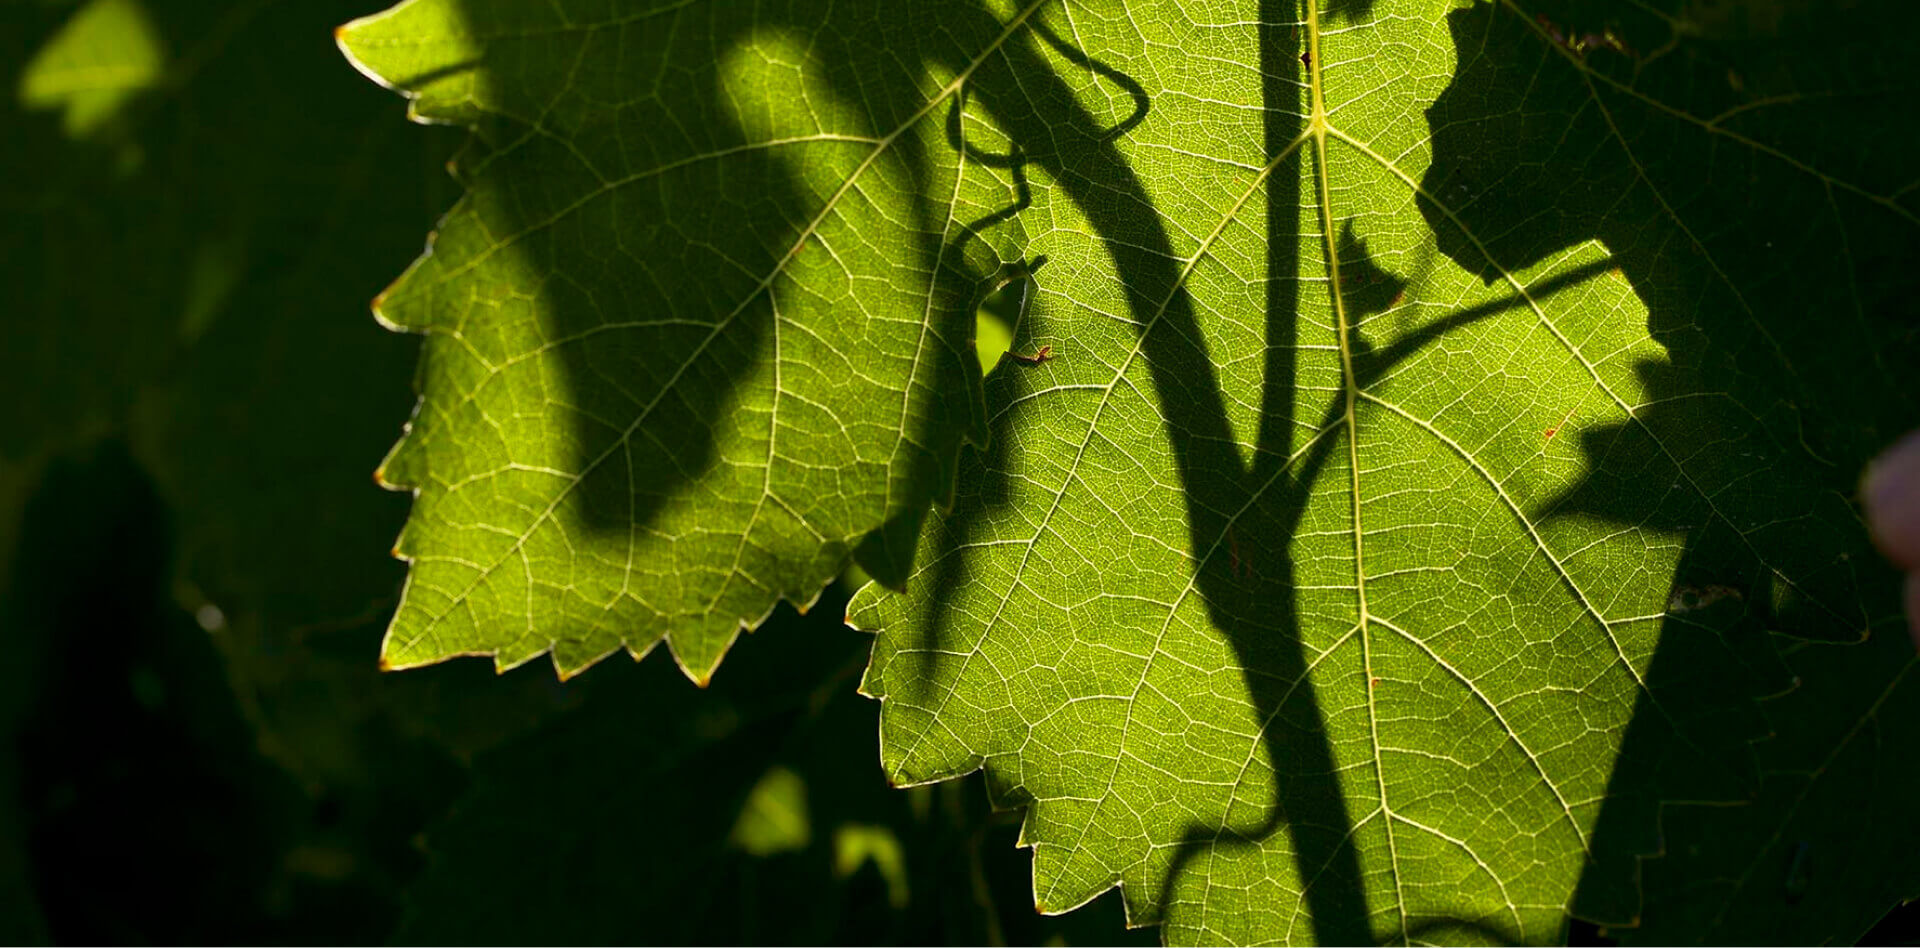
x=1253 y=510
x=1783 y=546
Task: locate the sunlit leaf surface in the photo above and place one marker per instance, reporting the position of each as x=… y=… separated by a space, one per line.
x=1423 y=422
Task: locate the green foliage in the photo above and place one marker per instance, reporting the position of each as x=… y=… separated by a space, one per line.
x=686 y=372
x=1444 y=462
x=1438 y=486
x=1371 y=667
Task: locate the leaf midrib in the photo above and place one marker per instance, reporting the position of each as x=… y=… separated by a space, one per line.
x=1317 y=126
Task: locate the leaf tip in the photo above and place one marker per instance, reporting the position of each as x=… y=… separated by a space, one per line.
x=378 y=307
x=343 y=40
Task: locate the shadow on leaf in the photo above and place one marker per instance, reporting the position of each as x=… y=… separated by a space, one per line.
x=1748 y=436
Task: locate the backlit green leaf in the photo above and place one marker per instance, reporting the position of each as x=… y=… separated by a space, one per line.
x=675 y=374
x=1449 y=409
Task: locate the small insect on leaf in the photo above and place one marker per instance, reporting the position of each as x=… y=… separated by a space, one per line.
x=1045 y=354
x=1562 y=424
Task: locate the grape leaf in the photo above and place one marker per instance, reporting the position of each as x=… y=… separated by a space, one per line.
x=1430 y=415
x=691 y=368
x=1362 y=666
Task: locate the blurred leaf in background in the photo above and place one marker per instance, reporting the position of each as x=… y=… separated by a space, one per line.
x=195 y=226
x=102 y=60
x=754 y=815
